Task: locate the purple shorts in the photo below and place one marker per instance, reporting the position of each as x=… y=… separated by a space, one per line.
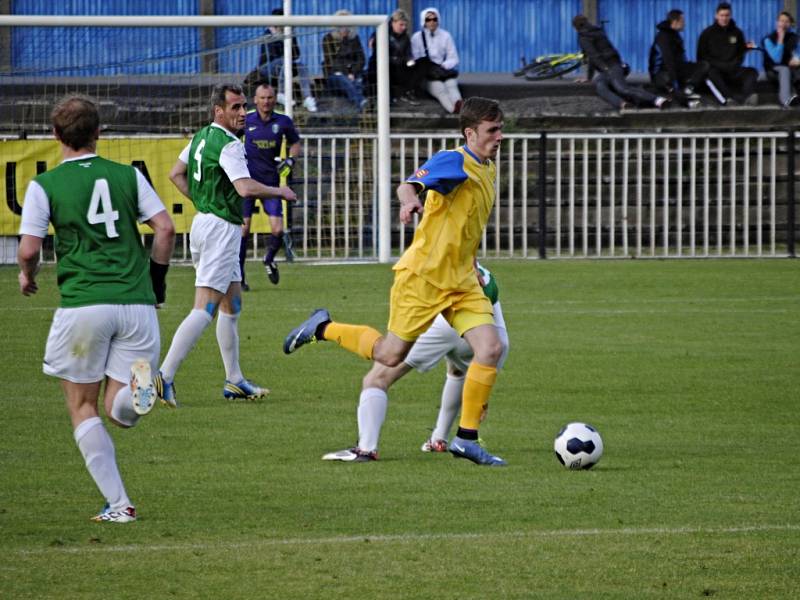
x=272 y=206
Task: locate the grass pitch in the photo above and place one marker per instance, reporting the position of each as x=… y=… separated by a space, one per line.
x=689 y=369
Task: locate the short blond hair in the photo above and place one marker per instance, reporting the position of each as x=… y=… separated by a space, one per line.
x=400 y=15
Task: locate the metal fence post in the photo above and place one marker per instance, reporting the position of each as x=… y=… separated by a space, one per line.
x=790 y=198
x=542 y=195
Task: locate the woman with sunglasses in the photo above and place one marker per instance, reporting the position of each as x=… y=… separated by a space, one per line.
x=435 y=52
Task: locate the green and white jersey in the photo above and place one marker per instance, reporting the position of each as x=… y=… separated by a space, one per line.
x=215 y=158
x=94 y=205
x=489 y=284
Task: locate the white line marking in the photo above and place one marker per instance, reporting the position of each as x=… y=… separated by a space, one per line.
x=410 y=538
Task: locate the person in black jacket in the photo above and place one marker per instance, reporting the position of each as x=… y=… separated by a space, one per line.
x=667 y=64
x=343 y=63
x=604 y=58
x=403 y=74
x=722 y=45
x=782 y=60
x=270 y=64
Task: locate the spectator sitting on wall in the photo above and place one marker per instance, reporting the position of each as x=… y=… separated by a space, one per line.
x=604 y=58
x=437 y=57
x=669 y=70
x=270 y=64
x=403 y=74
x=722 y=45
x=343 y=63
x=782 y=60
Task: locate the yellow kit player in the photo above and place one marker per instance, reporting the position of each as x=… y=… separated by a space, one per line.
x=435 y=274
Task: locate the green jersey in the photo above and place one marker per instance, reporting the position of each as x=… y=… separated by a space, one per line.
x=490 y=288
x=94 y=208
x=215 y=159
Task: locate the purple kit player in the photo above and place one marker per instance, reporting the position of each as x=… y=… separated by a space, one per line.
x=264 y=133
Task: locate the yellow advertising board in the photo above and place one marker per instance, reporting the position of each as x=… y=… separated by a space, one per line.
x=22 y=160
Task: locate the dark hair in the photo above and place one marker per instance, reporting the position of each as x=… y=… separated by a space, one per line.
x=674 y=15
x=263 y=83
x=579 y=21
x=723 y=6
x=76 y=121
x=788 y=16
x=219 y=93
x=477 y=109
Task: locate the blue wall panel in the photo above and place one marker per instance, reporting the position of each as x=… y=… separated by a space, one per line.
x=310 y=43
x=492 y=36
x=104 y=50
x=632 y=24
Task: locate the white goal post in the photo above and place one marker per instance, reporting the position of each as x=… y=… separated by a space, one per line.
x=380 y=22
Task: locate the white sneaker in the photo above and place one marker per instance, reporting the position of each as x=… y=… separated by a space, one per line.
x=310 y=104
x=432 y=445
x=127 y=515
x=351 y=455
x=143 y=389
x=282 y=99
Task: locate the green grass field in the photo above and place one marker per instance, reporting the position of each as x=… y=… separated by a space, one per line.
x=689 y=369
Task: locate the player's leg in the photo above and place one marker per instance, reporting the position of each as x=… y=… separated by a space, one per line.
x=90 y=328
x=372 y=404
x=236 y=386
x=450 y=403
x=133 y=384
x=214 y=244
x=274 y=208
x=472 y=317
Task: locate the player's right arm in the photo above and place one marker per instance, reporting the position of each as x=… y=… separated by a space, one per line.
x=32 y=229
x=178 y=176
x=408 y=194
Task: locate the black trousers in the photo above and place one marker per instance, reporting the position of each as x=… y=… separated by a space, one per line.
x=742 y=79
x=689 y=74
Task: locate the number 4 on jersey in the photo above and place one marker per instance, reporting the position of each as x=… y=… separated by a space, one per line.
x=100 y=209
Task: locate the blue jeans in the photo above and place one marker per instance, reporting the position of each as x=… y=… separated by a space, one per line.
x=612 y=87
x=352 y=88
x=274 y=69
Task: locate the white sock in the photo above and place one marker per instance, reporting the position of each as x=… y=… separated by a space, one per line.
x=183 y=341
x=98 y=452
x=228 y=340
x=451 y=403
x=371 y=413
x=122 y=408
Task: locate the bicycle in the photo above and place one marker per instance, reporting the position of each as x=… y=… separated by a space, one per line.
x=549 y=66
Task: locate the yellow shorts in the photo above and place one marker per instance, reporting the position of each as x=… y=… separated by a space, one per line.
x=414 y=304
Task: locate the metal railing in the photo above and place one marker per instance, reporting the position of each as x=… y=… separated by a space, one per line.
x=572 y=195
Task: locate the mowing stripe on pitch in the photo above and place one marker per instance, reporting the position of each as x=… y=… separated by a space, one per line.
x=412 y=538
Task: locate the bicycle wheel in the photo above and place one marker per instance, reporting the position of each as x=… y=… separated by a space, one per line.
x=548 y=70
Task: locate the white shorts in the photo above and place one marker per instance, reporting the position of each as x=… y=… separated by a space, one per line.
x=214 y=243
x=89 y=342
x=442 y=341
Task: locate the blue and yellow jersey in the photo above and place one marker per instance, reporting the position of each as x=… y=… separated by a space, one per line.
x=459 y=200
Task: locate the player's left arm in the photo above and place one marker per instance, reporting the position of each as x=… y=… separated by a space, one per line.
x=28 y=259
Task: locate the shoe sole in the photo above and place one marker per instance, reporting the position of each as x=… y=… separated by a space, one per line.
x=143 y=389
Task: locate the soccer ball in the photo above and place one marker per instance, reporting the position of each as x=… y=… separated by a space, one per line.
x=578 y=446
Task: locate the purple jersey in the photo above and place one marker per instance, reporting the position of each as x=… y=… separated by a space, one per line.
x=262 y=144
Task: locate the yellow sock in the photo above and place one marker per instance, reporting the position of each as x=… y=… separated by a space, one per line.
x=475 y=399
x=359 y=339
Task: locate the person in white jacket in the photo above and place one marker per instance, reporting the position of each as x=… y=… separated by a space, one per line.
x=437 y=46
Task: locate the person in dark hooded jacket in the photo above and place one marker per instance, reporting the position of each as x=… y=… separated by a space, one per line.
x=603 y=58
x=667 y=64
x=723 y=46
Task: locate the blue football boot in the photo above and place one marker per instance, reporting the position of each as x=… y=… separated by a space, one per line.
x=243 y=390
x=472 y=450
x=306 y=332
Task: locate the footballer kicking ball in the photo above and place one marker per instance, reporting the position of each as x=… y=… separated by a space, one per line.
x=578 y=446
